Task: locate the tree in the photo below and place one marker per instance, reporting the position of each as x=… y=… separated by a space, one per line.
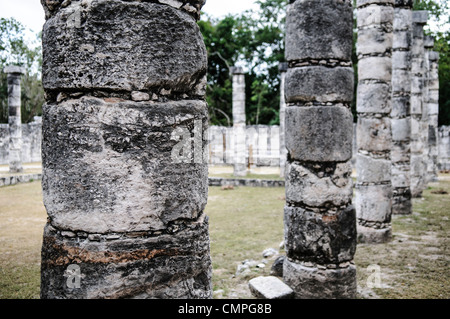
x=255 y=40
x=15 y=50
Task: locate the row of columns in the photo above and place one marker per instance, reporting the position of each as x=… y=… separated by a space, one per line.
x=124 y=176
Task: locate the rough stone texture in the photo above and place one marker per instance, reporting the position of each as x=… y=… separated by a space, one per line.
x=138 y=55
x=270 y=287
x=312 y=282
x=374 y=134
x=370 y=235
x=319 y=134
x=119 y=145
x=14 y=73
x=433 y=113
x=277 y=267
x=317 y=83
x=283 y=151
x=124 y=151
x=170 y=265
x=444 y=148
x=401 y=112
x=240 y=163
x=312 y=186
x=418 y=161
x=327 y=238
x=320 y=222
x=373 y=202
x=302 y=29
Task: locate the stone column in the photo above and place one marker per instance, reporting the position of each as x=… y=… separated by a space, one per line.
x=14 y=118
x=417 y=72
x=124 y=137
x=401 y=113
x=319 y=218
x=433 y=113
x=240 y=163
x=374 y=136
x=430 y=116
x=283 y=151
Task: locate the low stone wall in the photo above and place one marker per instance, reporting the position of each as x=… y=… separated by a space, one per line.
x=31 y=142
x=12 y=180
x=262 y=145
x=217 y=181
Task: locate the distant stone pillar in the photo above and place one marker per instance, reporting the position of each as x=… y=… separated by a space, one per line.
x=319 y=218
x=14 y=117
x=240 y=163
x=433 y=114
x=401 y=113
x=374 y=136
x=418 y=164
x=283 y=151
x=125 y=179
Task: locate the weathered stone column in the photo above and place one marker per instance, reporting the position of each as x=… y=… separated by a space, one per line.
x=283 y=151
x=433 y=113
x=240 y=163
x=124 y=133
x=401 y=113
x=374 y=136
x=14 y=117
x=418 y=165
x=320 y=221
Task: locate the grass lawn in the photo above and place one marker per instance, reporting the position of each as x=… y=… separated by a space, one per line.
x=243 y=222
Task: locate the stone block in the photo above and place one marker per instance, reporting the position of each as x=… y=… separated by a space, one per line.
x=318 y=83
x=319 y=29
x=401 y=129
x=373 y=203
x=330 y=184
x=402 y=40
x=420 y=17
x=374 y=15
x=401 y=60
x=401 y=81
x=401 y=106
x=372 y=41
x=174 y=266
x=374 y=98
x=368 y=235
x=400 y=176
x=319 y=283
x=401 y=152
x=320 y=238
x=375 y=68
x=417 y=84
x=371 y=170
x=374 y=134
x=319 y=134
x=416 y=104
x=361 y=3
x=402 y=19
x=270 y=287
x=127 y=46
x=94 y=152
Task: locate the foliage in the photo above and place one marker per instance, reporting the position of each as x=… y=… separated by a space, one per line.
x=255 y=41
x=15 y=50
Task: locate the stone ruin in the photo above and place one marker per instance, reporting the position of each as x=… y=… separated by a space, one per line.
x=125 y=85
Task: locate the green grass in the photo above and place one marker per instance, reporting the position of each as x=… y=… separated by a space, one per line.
x=243 y=222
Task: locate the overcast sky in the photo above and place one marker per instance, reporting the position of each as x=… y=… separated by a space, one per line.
x=31 y=14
